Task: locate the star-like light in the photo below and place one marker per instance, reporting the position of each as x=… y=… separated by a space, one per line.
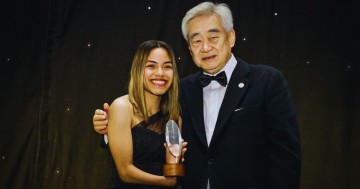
x=348 y=67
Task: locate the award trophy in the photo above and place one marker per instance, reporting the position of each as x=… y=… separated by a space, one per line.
x=173 y=166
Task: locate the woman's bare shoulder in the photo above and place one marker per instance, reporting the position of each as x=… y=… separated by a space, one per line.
x=121 y=104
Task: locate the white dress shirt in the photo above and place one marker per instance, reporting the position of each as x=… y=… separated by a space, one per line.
x=213 y=95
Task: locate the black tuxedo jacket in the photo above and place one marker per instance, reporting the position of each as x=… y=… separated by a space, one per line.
x=255 y=142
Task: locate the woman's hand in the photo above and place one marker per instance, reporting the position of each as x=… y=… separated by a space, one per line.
x=171 y=159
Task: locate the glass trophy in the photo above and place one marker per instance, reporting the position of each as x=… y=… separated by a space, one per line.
x=173 y=165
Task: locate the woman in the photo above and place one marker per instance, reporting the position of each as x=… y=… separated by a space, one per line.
x=137 y=120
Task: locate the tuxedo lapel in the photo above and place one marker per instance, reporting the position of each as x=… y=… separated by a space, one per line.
x=194 y=103
x=234 y=93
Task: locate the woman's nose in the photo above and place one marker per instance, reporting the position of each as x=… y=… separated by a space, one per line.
x=159 y=71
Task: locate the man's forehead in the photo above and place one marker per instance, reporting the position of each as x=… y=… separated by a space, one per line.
x=206 y=22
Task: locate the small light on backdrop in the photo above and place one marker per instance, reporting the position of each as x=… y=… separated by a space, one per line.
x=3 y=157
x=179 y=58
x=8 y=59
x=276 y=14
x=149 y=8
x=244 y=39
x=89 y=44
x=307 y=62
x=67 y=109
x=57 y=172
x=348 y=67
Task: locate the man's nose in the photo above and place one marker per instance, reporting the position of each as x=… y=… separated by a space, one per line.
x=205 y=46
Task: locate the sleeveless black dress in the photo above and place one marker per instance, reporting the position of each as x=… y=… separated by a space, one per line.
x=148 y=154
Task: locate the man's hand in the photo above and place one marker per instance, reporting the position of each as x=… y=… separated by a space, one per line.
x=100 y=120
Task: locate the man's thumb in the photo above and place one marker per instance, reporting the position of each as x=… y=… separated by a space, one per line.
x=106 y=107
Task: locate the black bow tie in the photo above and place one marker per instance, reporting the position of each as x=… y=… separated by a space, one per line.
x=206 y=79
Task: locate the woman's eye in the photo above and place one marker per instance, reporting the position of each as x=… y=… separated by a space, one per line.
x=150 y=66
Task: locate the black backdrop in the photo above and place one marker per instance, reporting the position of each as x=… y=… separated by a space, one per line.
x=60 y=60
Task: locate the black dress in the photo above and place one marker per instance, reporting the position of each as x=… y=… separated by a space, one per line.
x=148 y=154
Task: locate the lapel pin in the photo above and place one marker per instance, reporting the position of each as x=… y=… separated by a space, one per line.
x=241 y=85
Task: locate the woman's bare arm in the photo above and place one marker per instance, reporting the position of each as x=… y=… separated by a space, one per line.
x=121 y=147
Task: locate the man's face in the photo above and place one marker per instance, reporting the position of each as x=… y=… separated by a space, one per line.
x=209 y=43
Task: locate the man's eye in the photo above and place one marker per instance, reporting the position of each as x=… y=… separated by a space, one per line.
x=196 y=42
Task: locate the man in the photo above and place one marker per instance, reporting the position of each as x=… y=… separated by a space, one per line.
x=241 y=129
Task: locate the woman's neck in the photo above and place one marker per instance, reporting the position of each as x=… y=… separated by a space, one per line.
x=152 y=103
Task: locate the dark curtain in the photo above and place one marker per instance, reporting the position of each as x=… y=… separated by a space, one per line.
x=61 y=60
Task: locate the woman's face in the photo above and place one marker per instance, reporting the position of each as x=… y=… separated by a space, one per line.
x=158 y=73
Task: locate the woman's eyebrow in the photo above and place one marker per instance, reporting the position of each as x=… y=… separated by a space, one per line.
x=153 y=61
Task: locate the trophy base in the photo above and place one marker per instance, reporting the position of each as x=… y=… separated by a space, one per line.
x=174 y=170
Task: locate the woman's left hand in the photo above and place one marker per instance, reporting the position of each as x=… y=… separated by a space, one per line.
x=171 y=159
